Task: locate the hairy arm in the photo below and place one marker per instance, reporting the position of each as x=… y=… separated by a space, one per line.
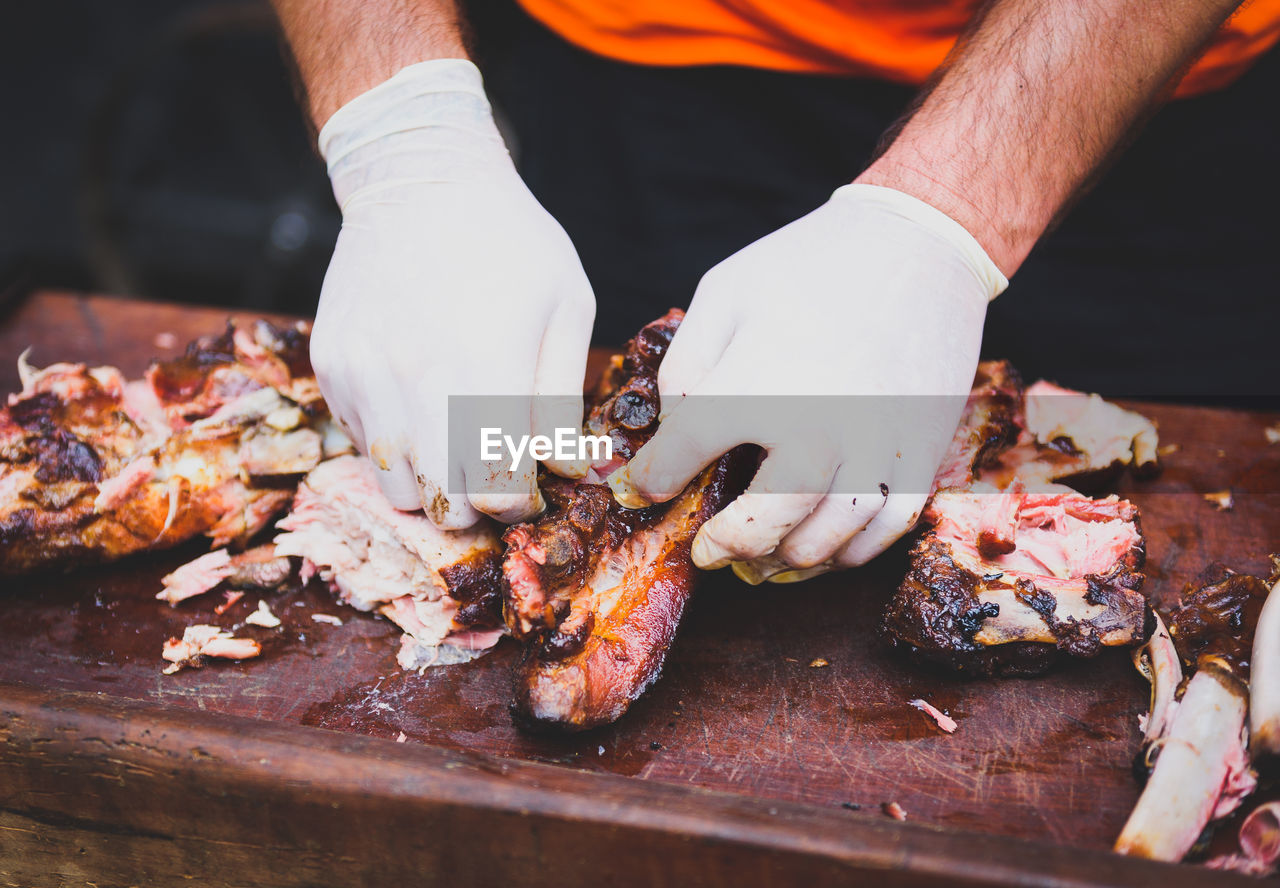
x=1030 y=104
x=344 y=47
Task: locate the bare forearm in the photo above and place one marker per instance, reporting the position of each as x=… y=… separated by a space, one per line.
x=1031 y=104
x=345 y=47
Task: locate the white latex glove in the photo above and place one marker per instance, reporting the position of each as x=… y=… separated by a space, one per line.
x=875 y=293
x=448 y=278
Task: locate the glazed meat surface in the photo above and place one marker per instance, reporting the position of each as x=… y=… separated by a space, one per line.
x=596 y=591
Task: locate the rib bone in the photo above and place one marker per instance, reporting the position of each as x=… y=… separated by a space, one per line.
x=1194 y=765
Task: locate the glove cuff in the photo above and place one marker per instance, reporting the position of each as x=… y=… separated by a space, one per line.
x=430 y=122
x=939 y=223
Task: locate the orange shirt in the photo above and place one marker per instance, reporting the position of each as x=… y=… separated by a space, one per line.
x=901 y=40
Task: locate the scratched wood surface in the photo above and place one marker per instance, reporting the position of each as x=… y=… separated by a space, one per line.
x=742 y=706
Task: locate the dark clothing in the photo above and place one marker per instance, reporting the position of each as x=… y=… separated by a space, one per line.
x=1163 y=281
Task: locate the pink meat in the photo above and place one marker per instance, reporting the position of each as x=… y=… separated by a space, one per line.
x=1059 y=535
x=143 y=407
x=945 y=722
x=117 y=489
x=377 y=558
x=1240 y=781
x=998 y=522
x=196 y=577
x=1259 y=842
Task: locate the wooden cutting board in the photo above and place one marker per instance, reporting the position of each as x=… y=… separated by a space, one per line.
x=762 y=756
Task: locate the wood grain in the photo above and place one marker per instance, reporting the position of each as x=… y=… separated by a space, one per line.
x=1035 y=783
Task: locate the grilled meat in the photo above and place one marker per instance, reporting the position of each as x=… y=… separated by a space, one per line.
x=991 y=423
x=443 y=588
x=595 y=590
x=1017 y=567
x=1198 y=741
x=1069 y=583
x=93 y=468
x=258 y=568
x=203 y=642
x=584 y=667
x=1043 y=434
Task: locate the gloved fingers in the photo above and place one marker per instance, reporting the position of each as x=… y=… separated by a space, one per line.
x=337 y=393
x=900 y=513
x=785 y=490
x=830 y=527
x=787 y=576
x=559 y=378
x=500 y=479
x=442 y=498
x=352 y=427
x=502 y=494
x=395 y=474
x=686 y=442
x=750 y=527
x=696 y=348
x=509 y=508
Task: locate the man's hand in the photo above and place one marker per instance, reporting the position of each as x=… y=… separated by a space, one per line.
x=448 y=279
x=878 y=292
x=874 y=299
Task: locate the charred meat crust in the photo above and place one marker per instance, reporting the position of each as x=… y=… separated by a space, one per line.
x=990 y=425
x=75 y=432
x=1001 y=397
x=577 y=681
x=1216 y=617
x=948 y=609
x=938 y=609
x=595 y=590
x=552 y=559
x=475 y=583
x=625 y=403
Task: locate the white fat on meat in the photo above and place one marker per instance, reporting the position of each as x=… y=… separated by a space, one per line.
x=201 y=641
x=377 y=558
x=1106 y=432
x=461 y=647
x=290 y=453
x=1158 y=662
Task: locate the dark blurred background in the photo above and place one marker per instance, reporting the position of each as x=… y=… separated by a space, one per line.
x=154 y=148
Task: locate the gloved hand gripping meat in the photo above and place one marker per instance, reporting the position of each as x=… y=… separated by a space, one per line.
x=448 y=280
